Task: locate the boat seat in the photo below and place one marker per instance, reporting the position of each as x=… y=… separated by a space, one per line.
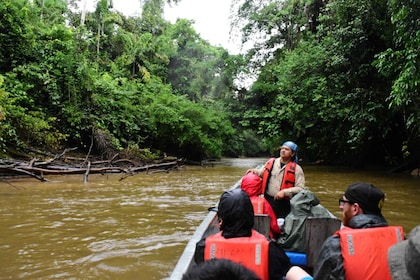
x=262 y=224
x=317 y=230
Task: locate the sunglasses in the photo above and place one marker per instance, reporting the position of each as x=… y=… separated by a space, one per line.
x=341 y=202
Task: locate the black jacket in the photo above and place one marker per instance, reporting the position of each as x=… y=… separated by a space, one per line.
x=330 y=261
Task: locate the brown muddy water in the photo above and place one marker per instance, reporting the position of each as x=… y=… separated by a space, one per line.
x=137 y=228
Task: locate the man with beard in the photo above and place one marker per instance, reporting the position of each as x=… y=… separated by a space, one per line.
x=359 y=249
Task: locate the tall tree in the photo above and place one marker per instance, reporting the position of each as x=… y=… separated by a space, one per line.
x=274 y=26
x=197 y=68
x=401 y=64
x=324 y=78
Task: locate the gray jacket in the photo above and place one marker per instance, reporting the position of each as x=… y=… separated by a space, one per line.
x=330 y=261
x=303 y=205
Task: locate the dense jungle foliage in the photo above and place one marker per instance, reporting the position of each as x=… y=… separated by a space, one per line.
x=339 y=77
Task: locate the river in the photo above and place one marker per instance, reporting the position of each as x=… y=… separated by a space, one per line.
x=137 y=228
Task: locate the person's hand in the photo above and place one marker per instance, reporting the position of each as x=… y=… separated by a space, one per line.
x=250 y=170
x=279 y=195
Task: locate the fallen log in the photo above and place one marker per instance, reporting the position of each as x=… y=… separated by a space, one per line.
x=39 y=169
x=166 y=167
x=24 y=172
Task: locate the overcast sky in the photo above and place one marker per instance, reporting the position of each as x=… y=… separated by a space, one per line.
x=211 y=17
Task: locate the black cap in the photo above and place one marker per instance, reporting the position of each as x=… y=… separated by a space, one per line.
x=369 y=197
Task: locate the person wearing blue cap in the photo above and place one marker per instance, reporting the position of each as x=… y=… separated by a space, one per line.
x=282 y=178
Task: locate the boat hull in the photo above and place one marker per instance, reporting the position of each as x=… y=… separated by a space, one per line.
x=317 y=230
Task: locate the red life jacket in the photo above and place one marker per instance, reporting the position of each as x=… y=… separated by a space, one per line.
x=251 y=184
x=258 y=204
x=262 y=206
x=252 y=252
x=365 y=251
x=288 y=180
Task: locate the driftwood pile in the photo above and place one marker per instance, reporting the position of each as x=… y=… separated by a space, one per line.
x=64 y=165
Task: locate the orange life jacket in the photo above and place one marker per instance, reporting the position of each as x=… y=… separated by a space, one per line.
x=288 y=180
x=252 y=252
x=365 y=251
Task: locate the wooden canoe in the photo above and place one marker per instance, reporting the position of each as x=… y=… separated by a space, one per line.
x=317 y=230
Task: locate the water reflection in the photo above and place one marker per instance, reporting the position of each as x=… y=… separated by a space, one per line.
x=138 y=227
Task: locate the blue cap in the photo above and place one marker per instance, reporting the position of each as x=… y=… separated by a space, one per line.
x=292 y=145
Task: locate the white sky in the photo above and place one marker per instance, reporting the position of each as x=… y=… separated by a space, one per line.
x=211 y=18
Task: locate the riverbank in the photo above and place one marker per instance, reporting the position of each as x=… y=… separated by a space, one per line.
x=68 y=163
